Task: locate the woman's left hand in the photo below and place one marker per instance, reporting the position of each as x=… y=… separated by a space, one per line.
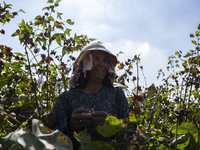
x=98 y=117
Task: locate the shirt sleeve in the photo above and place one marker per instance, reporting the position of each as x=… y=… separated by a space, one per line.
x=123 y=105
x=62 y=111
x=62 y=116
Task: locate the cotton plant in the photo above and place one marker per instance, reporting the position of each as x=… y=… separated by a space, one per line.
x=58 y=87
x=36 y=50
x=40 y=82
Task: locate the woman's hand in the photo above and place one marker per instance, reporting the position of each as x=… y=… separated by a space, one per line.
x=79 y=118
x=98 y=117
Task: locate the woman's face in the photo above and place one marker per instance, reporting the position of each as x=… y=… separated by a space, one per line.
x=100 y=65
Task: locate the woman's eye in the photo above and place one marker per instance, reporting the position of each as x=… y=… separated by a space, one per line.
x=106 y=60
x=96 y=58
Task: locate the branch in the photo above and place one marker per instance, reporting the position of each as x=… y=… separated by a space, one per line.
x=16 y=121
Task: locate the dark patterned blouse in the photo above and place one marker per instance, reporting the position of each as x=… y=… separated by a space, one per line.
x=108 y=99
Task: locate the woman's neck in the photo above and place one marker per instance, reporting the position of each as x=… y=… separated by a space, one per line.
x=92 y=87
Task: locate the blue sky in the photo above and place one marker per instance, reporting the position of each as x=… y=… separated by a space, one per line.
x=154 y=28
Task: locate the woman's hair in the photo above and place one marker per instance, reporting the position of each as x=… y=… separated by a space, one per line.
x=82 y=81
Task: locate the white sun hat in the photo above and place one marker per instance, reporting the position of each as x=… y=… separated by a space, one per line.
x=91 y=47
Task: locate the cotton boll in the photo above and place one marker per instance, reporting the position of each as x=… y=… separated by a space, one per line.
x=40 y=82
x=58 y=87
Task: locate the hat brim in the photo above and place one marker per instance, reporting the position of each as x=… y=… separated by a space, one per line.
x=92 y=47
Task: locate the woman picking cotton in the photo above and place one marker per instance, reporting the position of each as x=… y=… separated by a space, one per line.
x=91 y=96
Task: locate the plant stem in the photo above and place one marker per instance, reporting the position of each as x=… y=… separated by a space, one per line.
x=176 y=133
x=32 y=79
x=16 y=120
x=185 y=90
x=190 y=93
x=144 y=77
x=137 y=76
x=47 y=68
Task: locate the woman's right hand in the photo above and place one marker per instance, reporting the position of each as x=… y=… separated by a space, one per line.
x=79 y=118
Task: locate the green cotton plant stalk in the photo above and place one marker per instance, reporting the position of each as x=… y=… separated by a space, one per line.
x=176 y=133
x=34 y=87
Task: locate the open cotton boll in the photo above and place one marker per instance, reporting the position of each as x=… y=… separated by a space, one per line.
x=40 y=82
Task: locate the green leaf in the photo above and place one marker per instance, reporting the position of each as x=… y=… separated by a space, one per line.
x=50 y=18
x=17 y=32
x=59 y=15
x=22 y=10
x=69 y=21
x=67 y=31
x=197 y=33
x=194 y=42
x=38 y=39
x=38 y=128
x=195 y=70
x=30 y=141
x=22 y=23
x=43 y=25
x=198 y=27
x=58 y=38
x=98 y=145
x=92 y=39
x=184 y=128
x=7 y=5
x=151 y=90
x=64 y=50
x=44 y=41
x=163 y=147
x=11 y=138
x=56 y=4
x=4 y=82
x=132 y=119
x=57 y=140
x=180 y=140
x=183 y=145
x=15 y=146
x=57 y=1
x=19 y=54
x=38 y=22
x=44 y=8
x=110 y=127
x=192 y=144
x=195 y=135
x=38 y=17
x=50 y=1
x=83 y=137
x=176 y=53
x=191 y=35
